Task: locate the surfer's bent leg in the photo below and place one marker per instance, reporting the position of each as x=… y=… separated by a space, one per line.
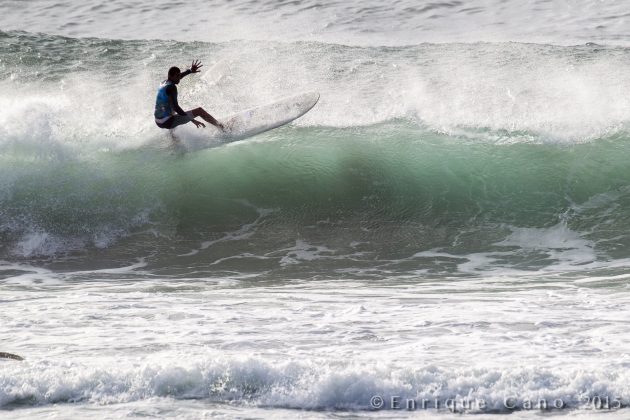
x=200 y=112
x=176 y=120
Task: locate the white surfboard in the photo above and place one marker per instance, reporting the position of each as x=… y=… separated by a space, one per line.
x=266 y=117
x=244 y=124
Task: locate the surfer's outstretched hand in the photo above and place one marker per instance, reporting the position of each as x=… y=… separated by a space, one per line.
x=195 y=66
x=198 y=124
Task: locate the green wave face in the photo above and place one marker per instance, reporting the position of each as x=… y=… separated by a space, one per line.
x=389 y=191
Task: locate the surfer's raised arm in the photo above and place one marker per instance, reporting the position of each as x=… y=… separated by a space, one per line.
x=168 y=114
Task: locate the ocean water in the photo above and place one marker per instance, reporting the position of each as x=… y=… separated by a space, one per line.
x=450 y=225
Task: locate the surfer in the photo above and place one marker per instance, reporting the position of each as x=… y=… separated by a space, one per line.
x=168 y=113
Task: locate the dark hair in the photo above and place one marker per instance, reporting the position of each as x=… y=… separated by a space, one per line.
x=173 y=71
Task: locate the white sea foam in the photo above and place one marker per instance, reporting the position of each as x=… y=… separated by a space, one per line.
x=326 y=348
x=303 y=385
x=522 y=89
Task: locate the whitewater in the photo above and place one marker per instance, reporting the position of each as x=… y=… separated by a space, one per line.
x=446 y=231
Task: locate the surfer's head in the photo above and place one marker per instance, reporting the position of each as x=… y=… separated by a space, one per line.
x=174 y=74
